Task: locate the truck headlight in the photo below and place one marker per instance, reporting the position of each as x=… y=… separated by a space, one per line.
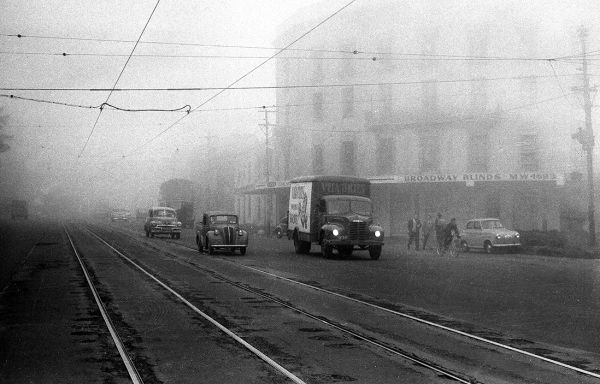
x=336 y=232
x=178 y=224
x=377 y=233
x=216 y=232
x=240 y=233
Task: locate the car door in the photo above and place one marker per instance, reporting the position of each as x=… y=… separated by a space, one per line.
x=478 y=234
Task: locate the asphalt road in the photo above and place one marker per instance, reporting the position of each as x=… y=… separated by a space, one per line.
x=542 y=304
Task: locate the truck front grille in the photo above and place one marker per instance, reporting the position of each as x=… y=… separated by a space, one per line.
x=228 y=235
x=359 y=230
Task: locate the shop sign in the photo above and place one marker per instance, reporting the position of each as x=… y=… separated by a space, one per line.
x=471 y=178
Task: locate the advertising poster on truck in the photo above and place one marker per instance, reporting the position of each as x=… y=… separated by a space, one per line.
x=299 y=216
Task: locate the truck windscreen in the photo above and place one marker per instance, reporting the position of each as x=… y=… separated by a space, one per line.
x=339 y=207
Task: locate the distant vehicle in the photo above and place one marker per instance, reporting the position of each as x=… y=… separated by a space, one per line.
x=220 y=230
x=282 y=227
x=179 y=195
x=336 y=213
x=18 y=209
x=120 y=215
x=488 y=234
x=162 y=221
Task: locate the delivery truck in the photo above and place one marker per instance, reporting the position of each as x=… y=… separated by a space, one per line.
x=334 y=212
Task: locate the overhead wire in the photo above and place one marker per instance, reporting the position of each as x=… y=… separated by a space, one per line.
x=118 y=78
x=185 y=108
x=257 y=47
x=296 y=86
x=243 y=76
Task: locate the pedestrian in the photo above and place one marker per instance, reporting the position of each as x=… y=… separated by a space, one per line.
x=427 y=229
x=439 y=226
x=414 y=228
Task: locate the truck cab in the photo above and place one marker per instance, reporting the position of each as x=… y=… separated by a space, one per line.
x=335 y=212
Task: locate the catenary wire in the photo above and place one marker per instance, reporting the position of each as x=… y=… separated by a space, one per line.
x=297 y=86
x=243 y=76
x=118 y=78
x=354 y=52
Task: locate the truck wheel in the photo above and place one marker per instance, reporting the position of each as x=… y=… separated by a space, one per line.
x=375 y=251
x=243 y=251
x=327 y=250
x=147 y=233
x=151 y=234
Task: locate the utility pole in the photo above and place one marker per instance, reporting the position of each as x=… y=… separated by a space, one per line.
x=266 y=125
x=587 y=138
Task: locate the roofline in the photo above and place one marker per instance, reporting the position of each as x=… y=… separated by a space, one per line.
x=335 y=179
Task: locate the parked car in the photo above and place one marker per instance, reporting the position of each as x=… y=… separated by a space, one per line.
x=120 y=215
x=488 y=234
x=220 y=230
x=162 y=221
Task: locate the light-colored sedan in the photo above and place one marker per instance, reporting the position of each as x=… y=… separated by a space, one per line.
x=489 y=234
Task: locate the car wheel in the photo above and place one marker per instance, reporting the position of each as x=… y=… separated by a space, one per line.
x=464 y=247
x=243 y=251
x=375 y=251
x=487 y=247
x=147 y=233
x=151 y=234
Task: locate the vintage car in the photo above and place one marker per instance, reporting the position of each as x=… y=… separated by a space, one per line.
x=120 y=215
x=488 y=234
x=220 y=230
x=162 y=221
x=282 y=227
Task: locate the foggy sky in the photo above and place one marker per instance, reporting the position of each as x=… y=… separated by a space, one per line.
x=48 y=138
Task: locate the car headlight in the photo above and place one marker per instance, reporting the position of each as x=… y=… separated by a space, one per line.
x=336 y=232
x=377 y=233
x=240 y=233
x=216 y=232
x=498 y=237
x=517 y=235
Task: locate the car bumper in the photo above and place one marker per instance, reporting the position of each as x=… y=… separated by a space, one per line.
x=347 y=242
x=165 y=230
x=501 y=245
x=229 y=245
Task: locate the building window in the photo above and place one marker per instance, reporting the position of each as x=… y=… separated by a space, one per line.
x=317 y=160
x=347 y=158
x=348 y=102
x=430 y=96
x=429 y=153
x=529 y=154
x=386 y=156
x=478 y=152
x=318 y=106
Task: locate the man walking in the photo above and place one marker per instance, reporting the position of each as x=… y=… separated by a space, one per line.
x=414 y=227
x=439 y=227
x=427 y=230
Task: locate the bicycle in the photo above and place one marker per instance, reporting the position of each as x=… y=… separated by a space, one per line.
x=453 y=248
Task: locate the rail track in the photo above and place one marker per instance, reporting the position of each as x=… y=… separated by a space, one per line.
x=386 y=346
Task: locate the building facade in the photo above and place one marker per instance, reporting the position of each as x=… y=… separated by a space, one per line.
x=444 y=111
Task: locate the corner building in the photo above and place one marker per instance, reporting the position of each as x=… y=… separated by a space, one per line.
x=434 y=106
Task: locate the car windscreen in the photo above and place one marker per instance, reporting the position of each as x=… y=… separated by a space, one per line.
x=491 y=224
x=346 y=206
x=163 y=213
x=223 y=219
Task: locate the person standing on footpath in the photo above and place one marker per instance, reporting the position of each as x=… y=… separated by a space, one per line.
x=414 y=228
x=439 y=227
x=427 y=229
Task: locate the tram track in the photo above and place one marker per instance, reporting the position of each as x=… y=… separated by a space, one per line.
x=451 y=374
x=439 y=370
